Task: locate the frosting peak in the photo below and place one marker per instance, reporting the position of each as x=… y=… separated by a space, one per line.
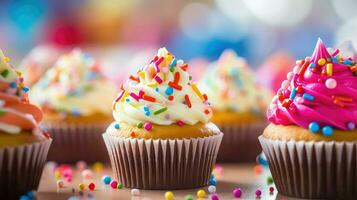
x=74 y=85
x=319 y=94
x=16 y=113
x=162 y=93
x=231 y=86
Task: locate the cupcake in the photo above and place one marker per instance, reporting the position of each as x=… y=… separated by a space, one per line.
x=37 y=62
x=74 y=96
x=23 y=146
x=162 y=137
x=239 y=104
x=311 y=143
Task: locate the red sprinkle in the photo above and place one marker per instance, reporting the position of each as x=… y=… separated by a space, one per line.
x=299 y=89
x=154 y=59
x=149 y=98
x=188 y=102
x=286 y=103
x=205 y=97
x=120 y=96
x=303 y=68
x=184 y=67
x=171 y=98
x=177 y=77
x=175 y=86
x=339 y=103
x=159 y=61
x=207 y=111
x=132 y=134
x=134 y=78
x=354 y=68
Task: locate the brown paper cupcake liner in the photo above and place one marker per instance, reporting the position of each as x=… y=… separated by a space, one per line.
x=75 y=142
x=240 y=142
x=163 y=164
x=21 y=168
x=324 y=170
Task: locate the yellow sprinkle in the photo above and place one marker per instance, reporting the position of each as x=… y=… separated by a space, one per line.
x=98 y=166
x=201 y=194
x=321 y=61
x=196 y=90
x=21 y=85
x=329 y=69
x=168 y=59
x=58 y=175
x=81 y=186
x=124 y=96
x=18 y=73
x=169 y=195
x=153 y=84
x=142 y=75
x=6 y=59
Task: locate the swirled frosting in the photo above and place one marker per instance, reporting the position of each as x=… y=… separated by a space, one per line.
x=319 y=94
x=230 y=84
x=16 y=112
x=161 y=93
x=75 y=86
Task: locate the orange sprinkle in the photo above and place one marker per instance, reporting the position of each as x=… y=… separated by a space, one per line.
x=342 y=98
x=132 y=134
x=188 y=102
x=303 y=68
x=354 y=68
x=258 y=169
x=339 y=103
x=134 y=78
x=149 y=98
x=205 y=97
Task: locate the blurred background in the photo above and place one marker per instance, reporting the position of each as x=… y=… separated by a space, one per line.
x=255 y=29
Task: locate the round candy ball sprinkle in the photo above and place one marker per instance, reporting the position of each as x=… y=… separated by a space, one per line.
x=98 y=166
x=327 y=131
x=271 y=189
x=81 y=186
x=114 y=184
x=135 y=192
x=24 y=197
x=169 y=195
x=148 y=126
x=351 y=125
x=120 y=186
x=258 y=193
x=91 y=186
x=258 y=169
x=213 y=182
x=314 y=127
x=321 y=61
x=188 y=197
x=237 y=192
x=87 y=174
x=214 y=197
x=212 y=189
x=331 y=83
x=60 y=184
x=201 y=194
x=106 y=180
x=270 y=180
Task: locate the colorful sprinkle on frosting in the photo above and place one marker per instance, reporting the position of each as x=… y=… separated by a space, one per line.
x=319 y=95
x=231 y=86
x=161 y=93
x=16 y=112
x=74 y=85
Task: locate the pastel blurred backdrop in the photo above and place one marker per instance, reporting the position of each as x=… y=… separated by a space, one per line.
x=198 y=30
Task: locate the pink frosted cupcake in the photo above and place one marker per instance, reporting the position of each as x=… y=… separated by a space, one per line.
x=311 y=143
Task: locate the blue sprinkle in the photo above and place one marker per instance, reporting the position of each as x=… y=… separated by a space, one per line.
x=347 y=62
x=116 y=126
x=327 y=131
x=13 y=85
x=147 y=113
x=157 y=89
x=334 y=59
x=25 y=89
x=169 y=91
x=173 y=62
x=76 y=112
x=314 y=127
x=31 y=194
x=212 y=182
x=146 y=108
x=308 y=97
x=24 y=197
x=127 y=99
x=292 y=94
x=106 y=179
x=312 y=65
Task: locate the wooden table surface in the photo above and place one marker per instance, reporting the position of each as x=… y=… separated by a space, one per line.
x=230 y=177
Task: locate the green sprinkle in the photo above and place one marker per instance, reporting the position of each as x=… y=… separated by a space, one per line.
x=2 y=112
x=120 y=186
x=270 y=180
x=160 y=111
x=188 y=197
x=5 y=72
x=139 y=125
x=172 y=69
x=190 y=77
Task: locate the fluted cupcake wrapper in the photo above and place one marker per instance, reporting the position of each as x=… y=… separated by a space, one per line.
x=240 y=142
x=75 y=142
x=21 y=168
x=163 y=164
x=324 y=170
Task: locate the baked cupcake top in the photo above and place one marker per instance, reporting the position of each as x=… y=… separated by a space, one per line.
x=231 y=86
x=17 y=114
x=320 y=93
x=161 y=93
x=74 y=86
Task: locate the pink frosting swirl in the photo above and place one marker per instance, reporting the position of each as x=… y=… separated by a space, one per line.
x=322 y=89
